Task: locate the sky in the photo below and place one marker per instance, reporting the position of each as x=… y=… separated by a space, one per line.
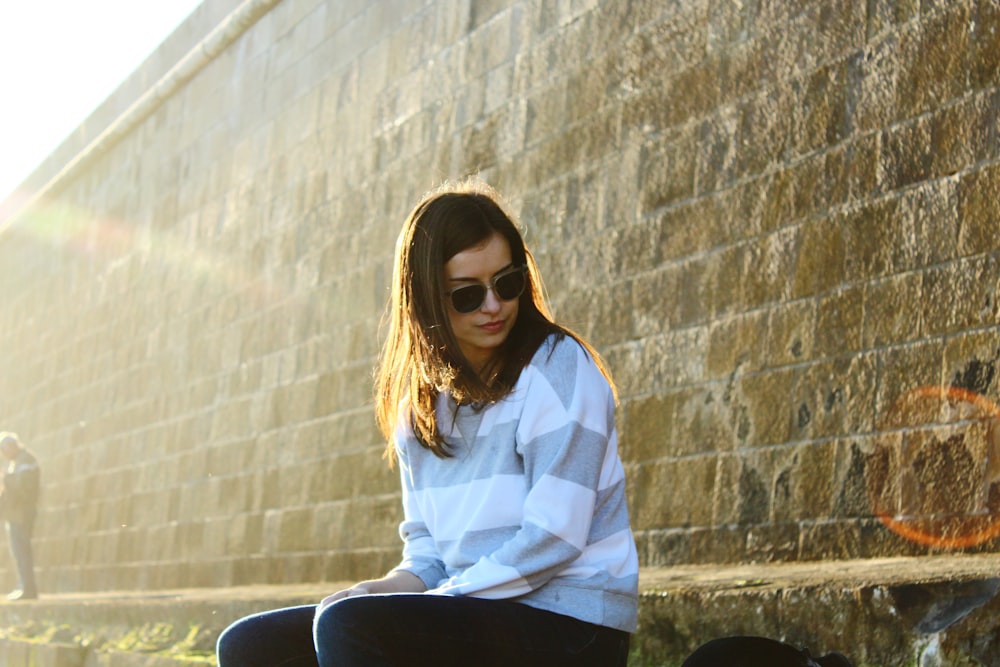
x=60 y=59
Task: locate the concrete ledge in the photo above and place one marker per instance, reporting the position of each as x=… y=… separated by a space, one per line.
x=15 y=653
x=940 y=610
x=890 y=612
x=175 y=628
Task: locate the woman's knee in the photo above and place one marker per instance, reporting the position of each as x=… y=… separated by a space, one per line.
x=281 y=636
x=231 y=642
x=347 y=632
x=339 y=616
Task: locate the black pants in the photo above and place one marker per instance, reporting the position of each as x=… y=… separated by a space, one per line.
x=415 y=630
x=19 y=539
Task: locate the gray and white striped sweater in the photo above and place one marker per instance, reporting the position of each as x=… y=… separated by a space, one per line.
x=531 y=506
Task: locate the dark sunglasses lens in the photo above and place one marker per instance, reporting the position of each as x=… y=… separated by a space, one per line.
x=469 y=298
x=510 y=286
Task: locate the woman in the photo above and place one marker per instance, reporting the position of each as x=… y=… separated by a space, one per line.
x=516 y=542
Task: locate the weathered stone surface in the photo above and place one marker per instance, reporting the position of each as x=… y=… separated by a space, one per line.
x=885 y=612
x=775 y=220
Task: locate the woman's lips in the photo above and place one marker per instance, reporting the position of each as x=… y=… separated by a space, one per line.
x=492 y=327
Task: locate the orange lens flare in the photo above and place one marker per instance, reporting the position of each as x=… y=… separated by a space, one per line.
x=934 y=478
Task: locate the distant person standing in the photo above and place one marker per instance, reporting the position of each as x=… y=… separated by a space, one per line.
x=18 y=507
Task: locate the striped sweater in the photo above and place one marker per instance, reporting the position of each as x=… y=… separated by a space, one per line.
x=531 y=506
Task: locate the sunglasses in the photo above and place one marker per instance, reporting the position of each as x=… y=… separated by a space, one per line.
x=506 y=285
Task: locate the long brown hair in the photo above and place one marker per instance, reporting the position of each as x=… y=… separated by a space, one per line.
x=421 y=356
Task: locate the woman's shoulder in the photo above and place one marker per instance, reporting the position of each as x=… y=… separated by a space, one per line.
x=559 y=348
x=562 y=355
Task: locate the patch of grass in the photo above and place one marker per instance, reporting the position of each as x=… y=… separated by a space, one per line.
x=195 y=645
x=637 y=659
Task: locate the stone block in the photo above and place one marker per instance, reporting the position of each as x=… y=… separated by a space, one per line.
x=762 y=409
x=607 y=313
x=902 y=369
x=267 y=489
x=675 y=235
x=769 y=263
x=215 y=543
x=330 y=388
x=971 y=362
x=667 y=171
x=15 y=652
x=494 y=42
x=654 y=482
x=726 y=501
x=821 y=261
x=790 y=333
x=545 y=113
x=933 y=61
x=822 y=121
x=297 y=567
x=718 y=142
x=928 y=217
x=190 y=540
x=769 y=543
x=677 y=358
x=249 y=569
x=230 y=458
x=958 y=135
x=640 y=248
x=842 y=27
x=757 y=61
x=978 y=204
x=721 y=544
x=659 y=298
x=246 y=533
x=885 y=15
x=835 y=397
x=600 y=136
x=360 y=564
x=894 y=310
x=293 y=403
x=765 y=131
x=688 y=95
x=674 y=425
x=726 y=26
x=726 y=285
x=331 y=526
x=870 y=233
x=585 y=142
x=961 y=295
x=231 y=419
x=984 y=37
x=758 y=488
x=735 y=345
x=664 y=547
x=806 y=488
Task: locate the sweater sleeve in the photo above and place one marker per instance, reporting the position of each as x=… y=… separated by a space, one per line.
x=563 y=435
x=420 y=554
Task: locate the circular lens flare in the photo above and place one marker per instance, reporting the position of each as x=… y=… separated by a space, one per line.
x=934 y=478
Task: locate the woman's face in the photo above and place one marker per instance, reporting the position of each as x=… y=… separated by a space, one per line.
x=481 y=332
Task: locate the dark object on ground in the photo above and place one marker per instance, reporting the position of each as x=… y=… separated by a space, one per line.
x=745 y=651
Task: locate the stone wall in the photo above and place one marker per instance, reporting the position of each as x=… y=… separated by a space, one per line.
x=777 y=221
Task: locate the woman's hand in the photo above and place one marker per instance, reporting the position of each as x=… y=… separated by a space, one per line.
x=398 y=581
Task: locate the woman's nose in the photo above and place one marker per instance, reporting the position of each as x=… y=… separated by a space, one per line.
x=491 y=303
